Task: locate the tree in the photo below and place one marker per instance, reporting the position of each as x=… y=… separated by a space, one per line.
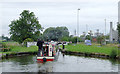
x=5 y=38
x=27 y=40
x=100 y=39
x=49 y=33
x=56 y=34
x=90 y=34
x=27 y=26
x=74 y=40
x=88 y=37
x=65 y=39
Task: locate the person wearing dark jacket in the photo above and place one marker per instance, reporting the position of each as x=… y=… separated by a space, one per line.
x=40 y=46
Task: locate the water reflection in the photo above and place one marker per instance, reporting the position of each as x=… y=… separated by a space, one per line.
x=45 y=67
x=0 y=67
x=21 y=60
x=63 y=63
x=113 y=61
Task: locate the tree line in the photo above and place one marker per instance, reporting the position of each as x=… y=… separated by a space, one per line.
x=28 y=28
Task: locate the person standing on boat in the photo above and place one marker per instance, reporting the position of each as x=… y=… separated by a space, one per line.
x=40 y=46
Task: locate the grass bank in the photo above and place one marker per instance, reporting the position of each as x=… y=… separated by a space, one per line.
x=108 y=49
x=17 y=48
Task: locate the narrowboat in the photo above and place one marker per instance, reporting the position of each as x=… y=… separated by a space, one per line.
x=48 y=53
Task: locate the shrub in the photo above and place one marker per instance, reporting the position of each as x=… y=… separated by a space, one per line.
x=65 y=39
x=27 y=40
x=113 y=54
x=74 y=40
x=100 y=39
x=4 y=45
x=69 y=43
x=88 y=37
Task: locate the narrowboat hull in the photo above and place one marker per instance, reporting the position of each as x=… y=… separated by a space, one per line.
x=45 y=59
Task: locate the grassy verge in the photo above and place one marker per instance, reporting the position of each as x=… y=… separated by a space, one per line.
x=93 y=49
x=15 y=47
x=23 y=49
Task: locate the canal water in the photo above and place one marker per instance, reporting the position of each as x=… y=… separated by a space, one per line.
x=66 y=63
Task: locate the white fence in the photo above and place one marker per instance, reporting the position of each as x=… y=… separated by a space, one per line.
x=31 y=44
x=35 y=43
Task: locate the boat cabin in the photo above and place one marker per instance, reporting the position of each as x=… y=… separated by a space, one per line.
x=48 y=53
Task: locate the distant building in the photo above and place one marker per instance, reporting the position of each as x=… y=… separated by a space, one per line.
x=113 y=34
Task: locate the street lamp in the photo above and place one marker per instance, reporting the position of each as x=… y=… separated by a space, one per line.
x=78 y=23
x=105 y=31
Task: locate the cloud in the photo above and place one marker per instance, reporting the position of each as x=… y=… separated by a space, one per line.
x=59 y=1
x=62 y=13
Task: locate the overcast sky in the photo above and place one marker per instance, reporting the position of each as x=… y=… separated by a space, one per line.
x=53 y=13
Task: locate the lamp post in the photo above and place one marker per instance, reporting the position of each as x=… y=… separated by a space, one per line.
x=86 y=28
x=105 y=31
x=77 y=23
